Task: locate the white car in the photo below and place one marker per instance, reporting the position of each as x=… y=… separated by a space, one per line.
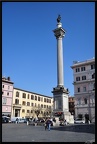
x=20 y=120
x=79 y=121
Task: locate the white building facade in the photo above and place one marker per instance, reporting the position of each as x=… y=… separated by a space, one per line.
x=84 y=89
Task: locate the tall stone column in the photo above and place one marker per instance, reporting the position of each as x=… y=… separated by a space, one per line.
x=60 y=93
x=59 y=34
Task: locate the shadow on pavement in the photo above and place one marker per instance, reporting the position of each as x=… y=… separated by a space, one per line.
x=77 y=128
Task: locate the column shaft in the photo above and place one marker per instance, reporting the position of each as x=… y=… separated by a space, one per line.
x=60 y=78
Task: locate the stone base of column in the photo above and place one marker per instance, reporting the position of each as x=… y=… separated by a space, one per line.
x=61 y=103
x=57 y=123
x=68 y=117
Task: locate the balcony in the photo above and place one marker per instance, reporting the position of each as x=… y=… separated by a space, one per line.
x=17 y=105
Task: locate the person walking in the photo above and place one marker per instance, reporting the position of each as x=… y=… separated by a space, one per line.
x=49 y=124
x=45 y=124
x=65 y=122
x=17 y=120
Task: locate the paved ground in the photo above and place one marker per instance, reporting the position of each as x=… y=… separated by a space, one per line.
x=24 y=133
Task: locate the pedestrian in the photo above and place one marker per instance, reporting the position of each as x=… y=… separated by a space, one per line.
x=45 y=124
x=49 y=124
x=17 y=121
x=65 y=122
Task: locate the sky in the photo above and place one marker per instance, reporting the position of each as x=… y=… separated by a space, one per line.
x=29 y=47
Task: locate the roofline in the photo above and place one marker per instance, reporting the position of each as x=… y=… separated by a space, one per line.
x=7 y=81
x=83 y=63
x=32 y=92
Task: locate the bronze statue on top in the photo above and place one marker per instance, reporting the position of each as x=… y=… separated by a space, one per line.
x=59 y=18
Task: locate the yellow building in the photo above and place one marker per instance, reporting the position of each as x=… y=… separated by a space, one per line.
x=30 y=104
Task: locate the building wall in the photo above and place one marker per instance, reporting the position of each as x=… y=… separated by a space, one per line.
x=7 y=94
x=20 y=107
x=87 y=89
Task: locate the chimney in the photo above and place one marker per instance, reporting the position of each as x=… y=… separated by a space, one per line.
x=8 y=78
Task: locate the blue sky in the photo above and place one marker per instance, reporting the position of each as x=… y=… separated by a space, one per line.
x=29 y=47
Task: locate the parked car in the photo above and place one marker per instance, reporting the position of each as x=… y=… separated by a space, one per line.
x=6 y=119
x=18 y=119
x=79 y=121
x=21 y=120
x=25 y=120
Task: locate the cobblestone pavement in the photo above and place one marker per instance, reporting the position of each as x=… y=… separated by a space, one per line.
x=24 y=133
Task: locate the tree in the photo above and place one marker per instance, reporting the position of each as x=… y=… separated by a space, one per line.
x=47 y=112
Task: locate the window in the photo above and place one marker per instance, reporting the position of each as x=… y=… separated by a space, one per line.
x=31 y=111
x=2 y=92
x=32 y=97
x=35 y=105
x=84 y=89
x=16 y=101
x=44 y=106
x=28 y=103
x=94 y=86
x=41 y=105
x=23 y=103
x=79 y=101
x=17 y=94
x=32 y=104
x=35 y=97
x=93 y=75
x=93 y=66
x=47 y=106
x=78 y=89
x=23 y=111
x=82 y=68
x=47 y=100
x=28 y=96
x=28 y=111
x=38 y=98
x=24 y=95
x=83 y=77
x=8 y=87
x=7 y=93
x=77 y=69
x=41 y=112
x=85 y=101
x=77 y=78
x=44 y=99
x=4 y=100
x=2 y=86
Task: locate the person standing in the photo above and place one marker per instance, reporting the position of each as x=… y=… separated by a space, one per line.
x=45 y=124
x=49 y=124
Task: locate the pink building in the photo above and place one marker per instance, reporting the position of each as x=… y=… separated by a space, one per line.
x=7 y=95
